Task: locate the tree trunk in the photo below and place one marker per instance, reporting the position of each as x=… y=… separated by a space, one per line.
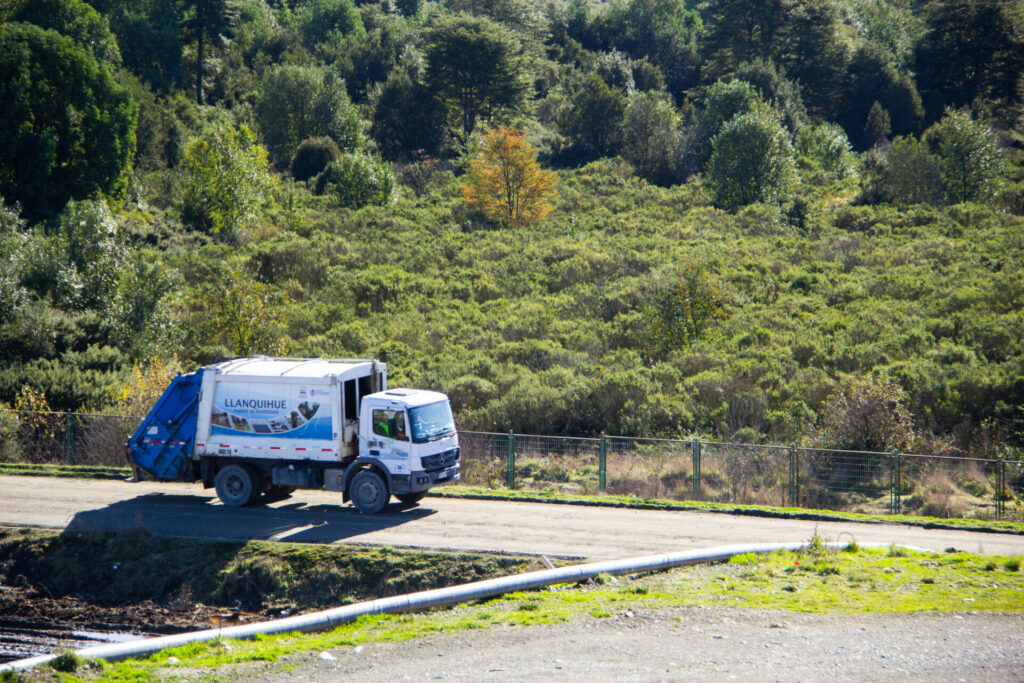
x=201 y=29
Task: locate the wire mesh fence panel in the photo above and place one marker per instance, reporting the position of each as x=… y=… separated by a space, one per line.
x=34 y=437
x=743 y=474
x=938 y=486
x=1012 y=495
x=100 y=439
x=562 y=463
x=844 y=480
x=649 y=468
x=484 y=459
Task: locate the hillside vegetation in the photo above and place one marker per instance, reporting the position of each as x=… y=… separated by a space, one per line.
x=774 y=221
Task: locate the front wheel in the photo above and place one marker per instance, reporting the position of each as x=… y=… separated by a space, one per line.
x=411 y=498
x=368 y=492
x=236 y=485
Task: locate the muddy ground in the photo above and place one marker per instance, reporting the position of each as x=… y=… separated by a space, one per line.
x=33 y=622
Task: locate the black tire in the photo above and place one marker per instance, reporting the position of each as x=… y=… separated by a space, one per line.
x=236 y=485
x=369 y=492
x=411 y=498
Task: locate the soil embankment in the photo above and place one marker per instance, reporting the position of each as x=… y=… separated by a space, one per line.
x=115 y=586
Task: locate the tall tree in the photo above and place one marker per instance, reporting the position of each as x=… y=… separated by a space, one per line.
x=592 y=117
x=67 y=129
x=663 y=31
x=149 y=37
x=320 y=19
x=802 y=36
x=740 y=31
x=211 y=20
x=298 y=102
x=525 y=17
x=405 y=116
x=76 y=20
x=812 y=52
x=973 y=49
x=476 y=70
x=872 y=78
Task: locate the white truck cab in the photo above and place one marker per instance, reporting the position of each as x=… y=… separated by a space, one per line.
x=411 y=434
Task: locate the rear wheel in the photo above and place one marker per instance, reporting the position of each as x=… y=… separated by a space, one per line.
x=368 y=492
x=237 y=485
x=411 y=498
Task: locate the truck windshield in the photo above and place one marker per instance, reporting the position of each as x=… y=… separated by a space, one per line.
x=431 y=422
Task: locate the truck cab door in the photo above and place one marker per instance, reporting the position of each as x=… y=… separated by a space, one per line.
x=389 y=437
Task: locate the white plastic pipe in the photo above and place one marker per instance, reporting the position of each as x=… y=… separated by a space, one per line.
x=326 y=619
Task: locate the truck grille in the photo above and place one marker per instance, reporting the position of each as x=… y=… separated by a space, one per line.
x=441 y=460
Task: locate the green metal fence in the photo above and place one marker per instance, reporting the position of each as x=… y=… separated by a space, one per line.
x=857 y=481
x=65 y=438
x=927 y=485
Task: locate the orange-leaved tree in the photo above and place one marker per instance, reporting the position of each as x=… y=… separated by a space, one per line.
x=506 y=183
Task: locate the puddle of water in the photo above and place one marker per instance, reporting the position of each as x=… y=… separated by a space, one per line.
x=18 y=643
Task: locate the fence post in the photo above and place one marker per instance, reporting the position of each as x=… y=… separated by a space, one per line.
x=602 y=464
x=511 y=475
x=794 y=491
x=1000 y=490
x=696 y=467
x=897 y=504
x=892 y=486
x=69 y=437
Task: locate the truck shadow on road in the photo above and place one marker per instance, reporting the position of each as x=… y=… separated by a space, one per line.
x=201 y=516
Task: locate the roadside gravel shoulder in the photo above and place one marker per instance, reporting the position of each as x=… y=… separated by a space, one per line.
x=687 y=644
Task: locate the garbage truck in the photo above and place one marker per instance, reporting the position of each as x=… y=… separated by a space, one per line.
x=258 y=428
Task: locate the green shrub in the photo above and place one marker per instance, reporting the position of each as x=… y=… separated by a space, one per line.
x=313 y=156
x=226 y=179
x=357 y=180
x=751 y=161
x=971 y=161
x=66 y=662
x=905 y=173
x=724 y=102
x=827 y=144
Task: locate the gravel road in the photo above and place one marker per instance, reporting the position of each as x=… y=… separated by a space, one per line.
x=688 y=644
x=565 y=531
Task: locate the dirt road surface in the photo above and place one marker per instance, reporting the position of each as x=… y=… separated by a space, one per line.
x=563 y=531
x=689 y=644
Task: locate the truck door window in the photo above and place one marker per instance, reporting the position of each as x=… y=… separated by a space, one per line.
x=390 y=423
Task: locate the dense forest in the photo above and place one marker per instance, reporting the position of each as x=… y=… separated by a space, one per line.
x=790 y=221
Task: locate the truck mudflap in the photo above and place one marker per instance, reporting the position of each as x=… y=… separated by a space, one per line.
x=162 y=445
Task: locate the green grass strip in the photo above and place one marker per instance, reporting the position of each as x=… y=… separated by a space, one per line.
x=70 y=471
